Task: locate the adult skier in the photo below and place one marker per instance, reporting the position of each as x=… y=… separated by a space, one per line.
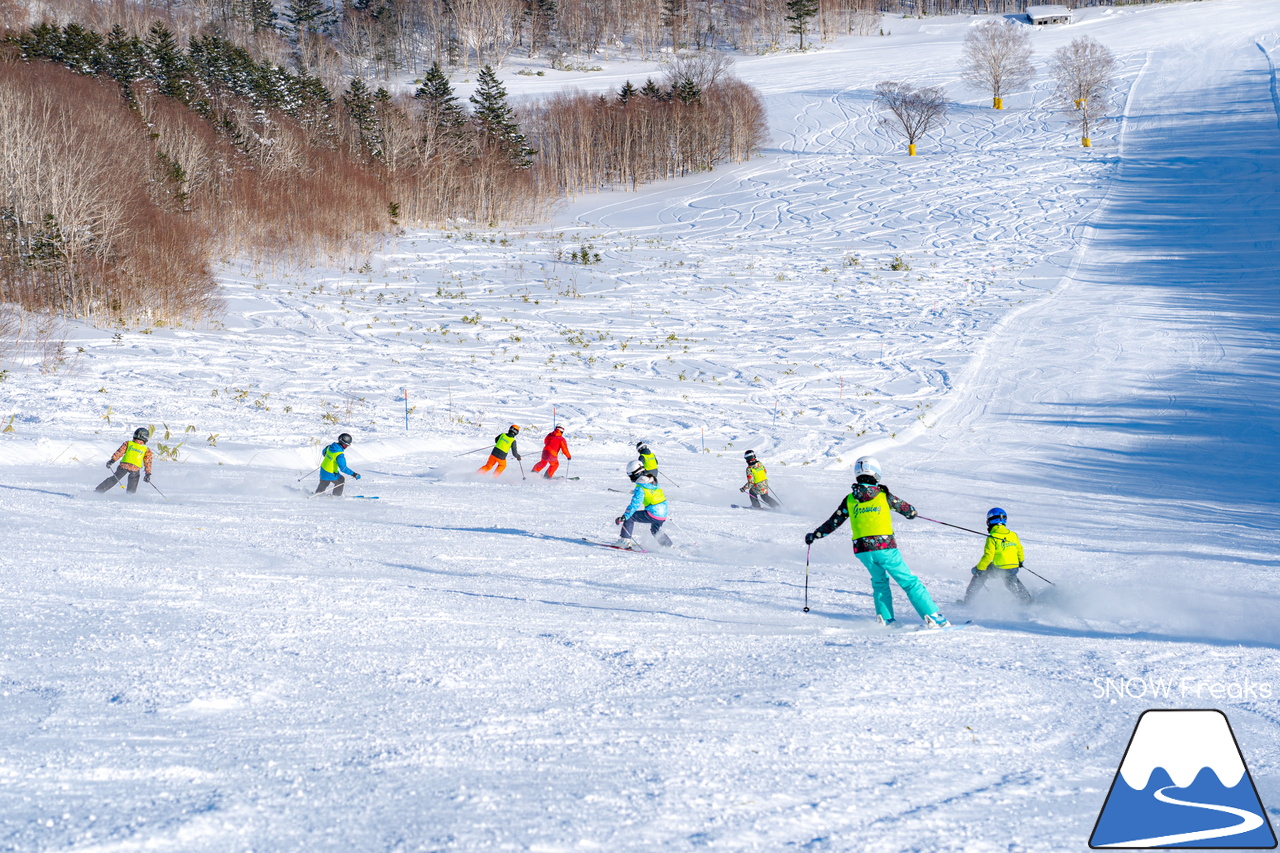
x=333 y=465
x=867 y=510
x=134 y=457
x=503 y=444
x=1002 y=555
x=648 y=506
x=646 y=457
x=552 y=446
x=757 y=485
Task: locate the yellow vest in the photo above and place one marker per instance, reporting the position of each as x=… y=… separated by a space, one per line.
x=135 y=454
x=757 y=473
x=330 y=463
x=654 y=495
x=870 y=518
x=650 y=461
x=504 y=443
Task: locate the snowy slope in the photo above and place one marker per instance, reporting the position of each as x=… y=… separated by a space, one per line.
x=1086 y=338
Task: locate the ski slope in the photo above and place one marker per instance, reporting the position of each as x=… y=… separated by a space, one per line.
x=1086 y=338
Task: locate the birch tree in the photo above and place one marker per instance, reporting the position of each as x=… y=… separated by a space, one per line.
x=997 y=58
x=909 y=112
x=1083 y=73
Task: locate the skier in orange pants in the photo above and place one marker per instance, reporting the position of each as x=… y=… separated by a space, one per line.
x=552 y=446
x=502 y=445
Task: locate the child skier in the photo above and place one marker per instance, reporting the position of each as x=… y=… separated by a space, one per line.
x=757 y=485
x=867 y=509
x=1002 y=555
x=647 y=458
x=648 y=506
x=502 y=445
x=552 y=446
x=333 y=465
x=134 y=456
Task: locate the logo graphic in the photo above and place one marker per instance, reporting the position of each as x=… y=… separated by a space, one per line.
x=1183 y=783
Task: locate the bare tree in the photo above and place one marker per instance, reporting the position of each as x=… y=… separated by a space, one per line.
x=1083 y=73
x=704 y=68
x=910 y=113
x=997 y=58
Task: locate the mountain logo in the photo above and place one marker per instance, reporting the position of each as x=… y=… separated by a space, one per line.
x=1183 y=783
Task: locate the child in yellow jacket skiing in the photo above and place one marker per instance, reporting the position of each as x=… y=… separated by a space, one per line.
x=1002 y=555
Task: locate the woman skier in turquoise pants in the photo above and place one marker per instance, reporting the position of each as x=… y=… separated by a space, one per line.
x=867 y=510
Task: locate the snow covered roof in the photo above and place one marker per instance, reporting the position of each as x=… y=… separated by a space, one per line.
x=1040 y=14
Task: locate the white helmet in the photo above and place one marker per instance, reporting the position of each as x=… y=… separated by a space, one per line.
x=867 y=466
x=635 y=469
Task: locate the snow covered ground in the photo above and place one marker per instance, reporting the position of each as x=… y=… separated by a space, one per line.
x=1086 y=338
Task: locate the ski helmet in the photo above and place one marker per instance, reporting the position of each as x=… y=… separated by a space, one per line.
x=345 y=439
x=642 y=445
x=868 y=467
x=559 y=429
x=635 y=469
x=996 y=515
x=513 y=429
x=141 y=434
x=749 y=455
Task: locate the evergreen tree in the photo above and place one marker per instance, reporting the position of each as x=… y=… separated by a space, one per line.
x=799 y=12
x=359 y=105
x=652 y=91
x=261 y=15
x=686 y=91
x=626 y=93
x=496 y=121
x=308 y=18
x=166 y=64
x=123 y=57
x=441 y=111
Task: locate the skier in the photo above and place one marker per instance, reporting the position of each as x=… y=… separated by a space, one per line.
x=1002 y=554
x=553 y=445
x=134 y=455
x=503 y=444
x=867 y=509
x=333 y=465
x=646 y=456
x=648 y=506
x=757 y=485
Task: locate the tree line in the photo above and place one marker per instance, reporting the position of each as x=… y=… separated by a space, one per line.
x=128 y=161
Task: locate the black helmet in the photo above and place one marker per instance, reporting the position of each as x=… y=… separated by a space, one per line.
x=750 y=455
x=345 y=439
x=141 y=434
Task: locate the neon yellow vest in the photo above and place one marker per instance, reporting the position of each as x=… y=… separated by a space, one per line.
x=330 y=463
x=504 y=443
x=758 y=474
x=870 y=518
x=135 y=454
x=653 y=496
x=650 y=461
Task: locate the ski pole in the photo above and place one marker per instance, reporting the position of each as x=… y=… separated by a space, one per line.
x=308 y=474
x=469 y=452
x=807 y=549
x=671 y=481
x=956 y=526
x=683 y=532
x=522 y=476
x=166 y=497
x=1042 y=577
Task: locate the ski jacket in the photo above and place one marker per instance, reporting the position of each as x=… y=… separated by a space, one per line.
x=554 y=443
x=758 y=479
x=503 y=444
x=334 y=463
x=647 y=496
x=868 y=502
x=1002 y=551
x=135 y=455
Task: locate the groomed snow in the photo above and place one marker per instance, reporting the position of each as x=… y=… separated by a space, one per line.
x=1086 y=338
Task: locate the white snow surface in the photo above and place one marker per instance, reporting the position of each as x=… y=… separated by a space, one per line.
x=1085 y=337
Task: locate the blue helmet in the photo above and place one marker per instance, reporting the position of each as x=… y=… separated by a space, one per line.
x=996 y=515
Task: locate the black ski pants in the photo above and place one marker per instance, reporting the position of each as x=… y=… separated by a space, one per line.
x=120 y=473
x=766 y=497
x=337 y=486
x=1011 y=581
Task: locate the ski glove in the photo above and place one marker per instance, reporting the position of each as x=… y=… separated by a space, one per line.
x=357 y=476
x=743 y=489
x=619 y=519
x=911 y=513
x=108 y=464
x=146 y=478
x=810 y=537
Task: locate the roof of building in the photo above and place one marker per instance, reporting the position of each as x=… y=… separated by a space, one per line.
x=1047 y=11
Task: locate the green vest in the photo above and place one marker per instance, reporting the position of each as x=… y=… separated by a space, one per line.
x=757 y=473
x=653 y=496
x=870 y=518
x=330 y=462
x=504 y=443
x=650 y=461
x=135 y=454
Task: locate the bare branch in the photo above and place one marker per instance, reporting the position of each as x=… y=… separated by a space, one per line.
x=908 y=112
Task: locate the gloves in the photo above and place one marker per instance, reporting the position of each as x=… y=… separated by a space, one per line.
x=911 y=513
x=146 y=478
x=810 y=537
x=743 y=489
x=975 y=571
x=619 y=520
x=519 y=458
x=357 y=476
x=108 y=463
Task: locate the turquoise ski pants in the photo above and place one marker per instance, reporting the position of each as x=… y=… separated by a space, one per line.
x=889 y=564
